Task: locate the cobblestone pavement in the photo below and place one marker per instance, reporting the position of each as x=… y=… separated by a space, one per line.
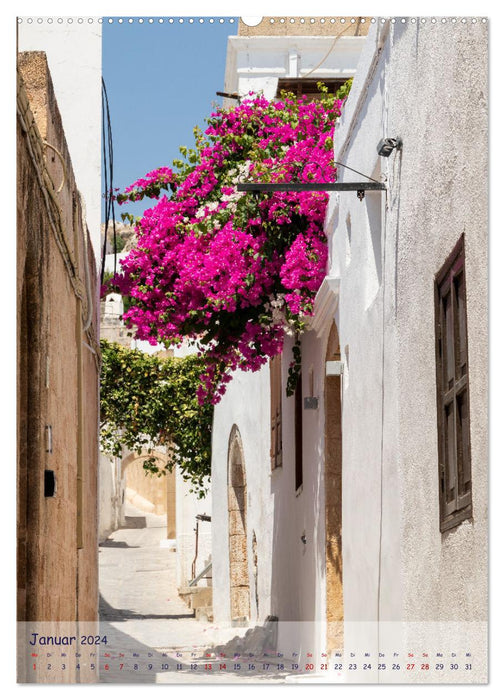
x=152 y=636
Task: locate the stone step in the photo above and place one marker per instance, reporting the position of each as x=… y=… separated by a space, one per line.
x=196 y=596
x=204 y=613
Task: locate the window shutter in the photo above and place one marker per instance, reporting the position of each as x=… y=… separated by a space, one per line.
x=276 y=411
x=298 y=431
x=455 y=499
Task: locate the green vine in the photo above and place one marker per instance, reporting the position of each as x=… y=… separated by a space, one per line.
x=146 y=402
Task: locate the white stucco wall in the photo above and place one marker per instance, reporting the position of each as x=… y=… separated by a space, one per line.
x=256 y=63
x=73 y=52
x=110 y=496
x=453 y=139
x=426 y=83
x=397 y=564
x=246 y=405
x=187 y=507
x=291 y=575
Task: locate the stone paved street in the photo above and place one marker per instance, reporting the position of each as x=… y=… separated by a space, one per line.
x=152 y=636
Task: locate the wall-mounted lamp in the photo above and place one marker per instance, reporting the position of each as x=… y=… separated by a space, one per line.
x=303 y=538
x=386 y=146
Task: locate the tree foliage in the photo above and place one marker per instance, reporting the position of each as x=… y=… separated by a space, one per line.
x=146 y=402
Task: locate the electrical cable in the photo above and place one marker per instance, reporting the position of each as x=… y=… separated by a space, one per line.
x=108 y=175
x=332 y=47
x=62 y=161
x=35 y=143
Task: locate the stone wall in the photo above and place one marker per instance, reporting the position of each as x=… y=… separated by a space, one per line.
x=58 y=369
x=306 y=26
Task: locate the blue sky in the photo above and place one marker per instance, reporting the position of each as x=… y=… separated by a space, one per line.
x=161 y=80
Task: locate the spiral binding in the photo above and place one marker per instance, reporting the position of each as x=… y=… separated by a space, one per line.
x=232 y=20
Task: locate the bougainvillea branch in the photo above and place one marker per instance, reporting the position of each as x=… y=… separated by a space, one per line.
x=234 y=272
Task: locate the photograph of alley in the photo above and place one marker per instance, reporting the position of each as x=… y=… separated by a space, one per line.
x=252 y=350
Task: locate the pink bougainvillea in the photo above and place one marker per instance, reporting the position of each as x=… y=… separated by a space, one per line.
x=234 y=272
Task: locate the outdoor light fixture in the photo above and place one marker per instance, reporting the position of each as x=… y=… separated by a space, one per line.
x=359 y=187
x=386 y=146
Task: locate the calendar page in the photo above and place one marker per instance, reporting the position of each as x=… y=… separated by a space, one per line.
x=252 y=349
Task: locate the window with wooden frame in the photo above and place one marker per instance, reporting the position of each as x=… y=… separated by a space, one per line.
x=454 y=445
x=276 y=411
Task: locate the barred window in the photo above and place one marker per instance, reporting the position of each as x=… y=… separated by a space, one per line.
x=454 y=447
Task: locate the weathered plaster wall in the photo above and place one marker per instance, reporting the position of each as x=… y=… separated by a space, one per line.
x=450 y=134
x=290 y=574
x=359 y=258
x=298 y=568
x=73 y=52
x=387 y=251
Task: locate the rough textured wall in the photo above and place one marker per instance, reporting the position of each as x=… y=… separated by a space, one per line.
x=387 y=251
x=442 y=193
x=303 y=26
x=58 y=370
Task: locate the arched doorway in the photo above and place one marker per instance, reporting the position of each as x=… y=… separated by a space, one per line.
x=237 y=516
x=333 y=499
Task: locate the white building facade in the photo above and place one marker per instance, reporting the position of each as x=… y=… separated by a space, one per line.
x=377 y=539
x=268 y=541
x=414 y=552
x=73 y=46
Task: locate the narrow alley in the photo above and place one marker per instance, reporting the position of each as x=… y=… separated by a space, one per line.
x=151 y=635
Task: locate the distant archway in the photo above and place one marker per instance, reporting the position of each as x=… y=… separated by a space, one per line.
x=151 y=493
x=237 y=517
x=333 y=499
